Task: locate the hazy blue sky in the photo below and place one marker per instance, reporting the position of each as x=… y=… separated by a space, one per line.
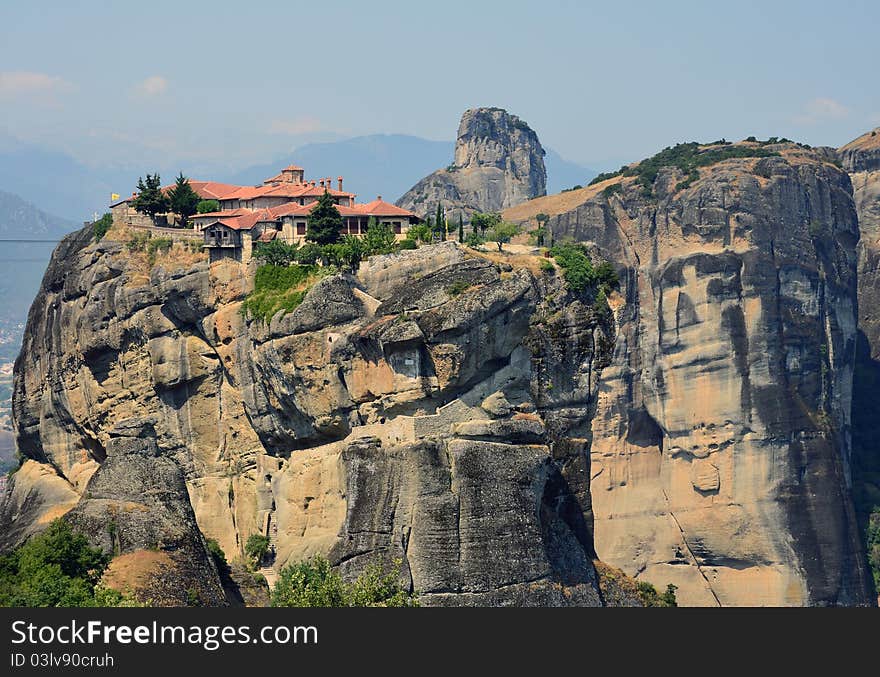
x=239 y=82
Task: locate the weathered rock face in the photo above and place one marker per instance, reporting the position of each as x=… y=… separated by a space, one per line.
x=861 y=158
x=721 y=441
x=385 y=417
x=499 y=162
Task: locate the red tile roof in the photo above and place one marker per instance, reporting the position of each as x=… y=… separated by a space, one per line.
x=381 y=208
x=242 y=221
x=208 y=190
x=285 y=190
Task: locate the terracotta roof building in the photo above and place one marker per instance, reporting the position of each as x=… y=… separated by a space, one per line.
x=280 y=209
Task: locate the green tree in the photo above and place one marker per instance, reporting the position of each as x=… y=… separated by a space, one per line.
x=207 y=206
x=460 y=228
x=379 y=238
x=309 y=254
x=150 y=199
x=276 y=252
x=256 y=547
x=314 y=583
x=502 y=232
x=57 y=567
x=182 y=199
x=484 y=221
x=354 y=250
x=419 y=233
x=325 y=221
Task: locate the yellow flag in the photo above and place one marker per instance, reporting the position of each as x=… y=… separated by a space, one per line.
x=114 y=196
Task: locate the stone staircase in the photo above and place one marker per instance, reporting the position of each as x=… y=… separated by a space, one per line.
x=271 y=530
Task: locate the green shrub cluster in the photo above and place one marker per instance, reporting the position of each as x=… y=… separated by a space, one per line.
x=474 y=240
x=579 y=271
x=458 y=287
x=580 y=274
x=687 y=157
x=421 y=232
x=314 y=583
x=650 y=597
x=102 y=225
x=279 y=288
x=56 y=568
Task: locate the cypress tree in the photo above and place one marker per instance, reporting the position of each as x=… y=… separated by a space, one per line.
x=441 y=226
x=460 y=228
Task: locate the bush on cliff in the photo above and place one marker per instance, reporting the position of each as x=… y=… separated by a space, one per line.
x=314 y=583
x=650 y=597
x=102 y=225
x=279 y=288
x=56 y=568
x=579 y=271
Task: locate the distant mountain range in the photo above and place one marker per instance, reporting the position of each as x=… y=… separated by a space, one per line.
x=21 y=219
x=23 y=263
x=386 y=164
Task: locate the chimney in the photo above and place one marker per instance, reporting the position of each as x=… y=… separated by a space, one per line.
x=322 y=183
x=339 y=178
x=379 y=198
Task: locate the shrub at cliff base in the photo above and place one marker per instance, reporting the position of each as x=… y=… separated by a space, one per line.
x=279 y=288
x=650 y=597
x=56 y=568
x=314 y=583
x=256 y=547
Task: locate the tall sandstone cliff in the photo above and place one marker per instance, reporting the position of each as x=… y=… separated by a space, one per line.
x=499 y=163
x=861 y=158
x=495 y=440
x=722 y=436
x=386 y=417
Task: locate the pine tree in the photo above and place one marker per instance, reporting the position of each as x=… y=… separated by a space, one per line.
x=324 y=222
x=460 y=228
x=150 y=199
x=182 y=199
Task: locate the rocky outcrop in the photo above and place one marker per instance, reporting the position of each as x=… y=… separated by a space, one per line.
x=390 y=416
x=721 y=441
x=861 y=158
x=499 y=162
